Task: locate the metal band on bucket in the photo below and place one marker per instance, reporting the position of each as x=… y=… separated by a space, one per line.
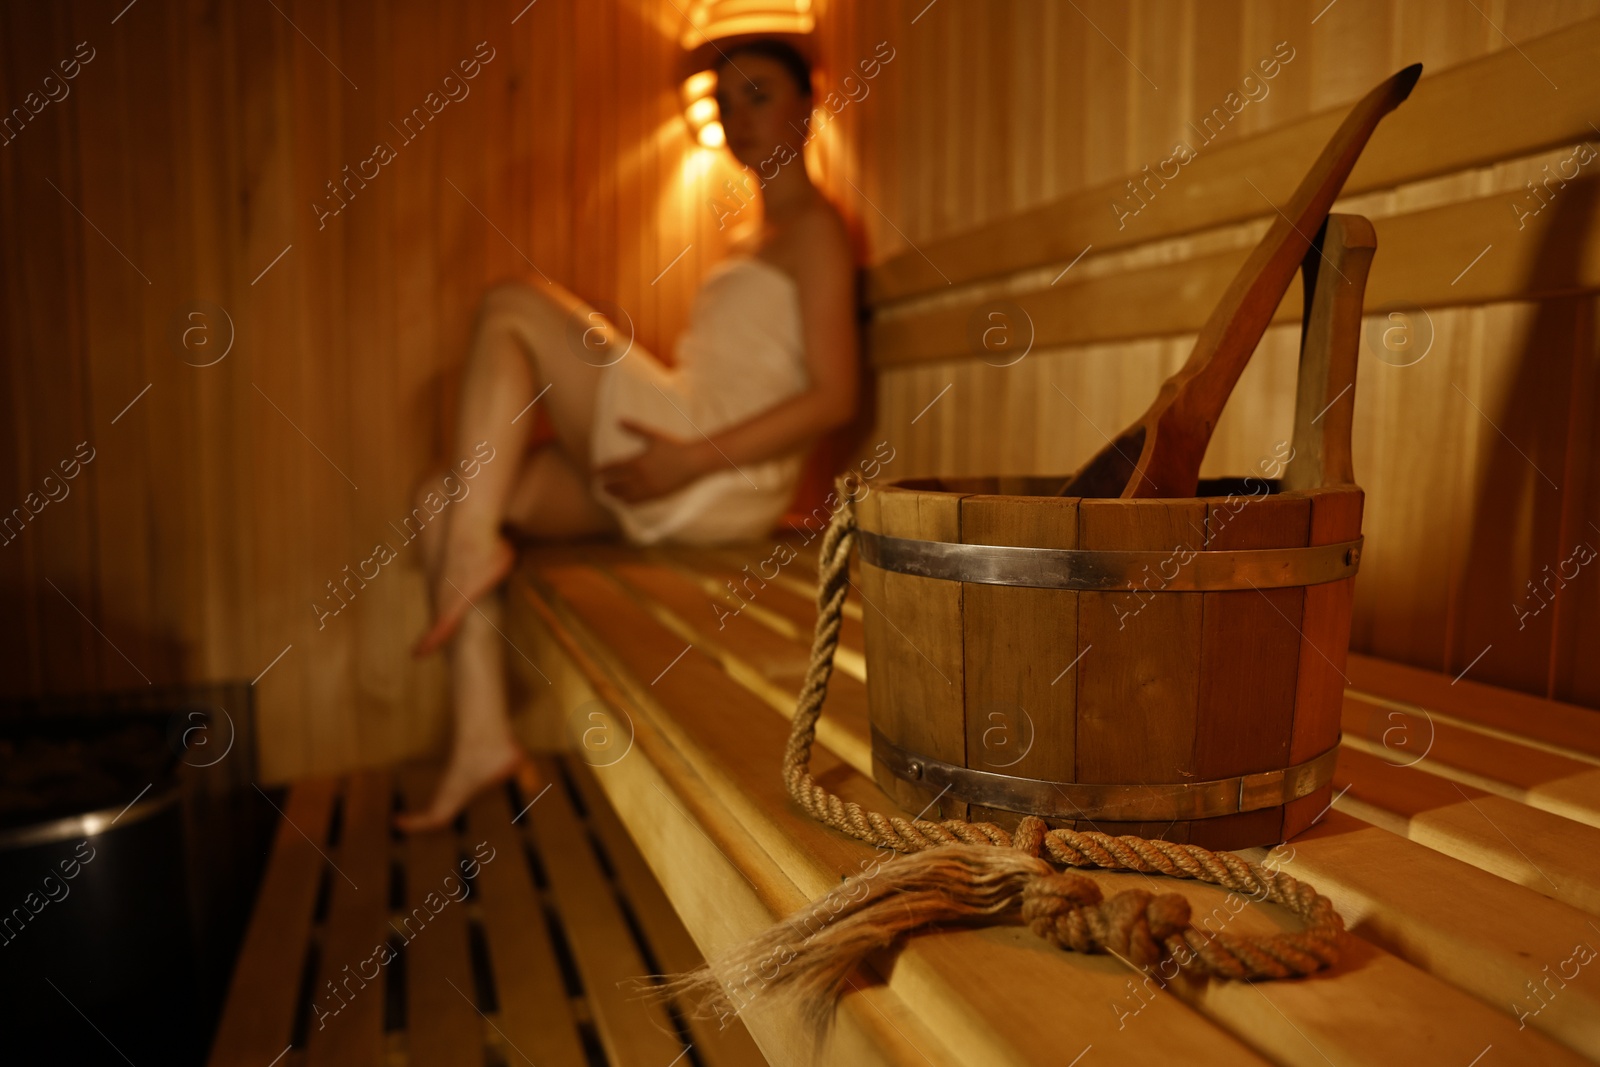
x=1116 y=803
x=1178 y=569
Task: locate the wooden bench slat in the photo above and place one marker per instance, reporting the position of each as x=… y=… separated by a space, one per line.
x=799 y=577
x=1418 y=260
x=1542 y=779
x=1544 y=852
x=671 y=944
x=764 y=662
x=1422 y=139
x=1295 y=1022
x=535 y=1015
x=1568 y=728
x=351 y=1031
x=790 y=596
x=442 y=1026
x=264 y=994
x=770 y=654
x=1394 y=980
x=634 y=1032
x=725 y=731
x=714 y=576
x=1484 y=935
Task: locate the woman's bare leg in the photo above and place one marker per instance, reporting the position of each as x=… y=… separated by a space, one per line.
x=550 y=501
x=528 y=344
x=483 y=749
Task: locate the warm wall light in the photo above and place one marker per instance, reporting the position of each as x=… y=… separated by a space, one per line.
x=716 y=25
x=712 y=20
x=700 y=108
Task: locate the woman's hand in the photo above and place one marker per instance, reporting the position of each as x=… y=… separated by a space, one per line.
x=665 y=464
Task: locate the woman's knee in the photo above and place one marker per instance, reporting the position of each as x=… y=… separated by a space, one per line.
x=527 y=303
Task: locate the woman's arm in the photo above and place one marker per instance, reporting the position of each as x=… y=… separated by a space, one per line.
x=820 y=261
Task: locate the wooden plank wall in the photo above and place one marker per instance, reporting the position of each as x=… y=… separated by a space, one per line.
x=1477 y=461
x=183 y=160
x=187 y=155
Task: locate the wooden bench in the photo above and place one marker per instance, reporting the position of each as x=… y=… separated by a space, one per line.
x=1462 y=849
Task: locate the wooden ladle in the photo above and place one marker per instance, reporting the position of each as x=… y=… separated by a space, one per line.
x=1160 y=454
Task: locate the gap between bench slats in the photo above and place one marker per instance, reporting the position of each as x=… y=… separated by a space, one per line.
x=1547 y=853
x=1536 y=777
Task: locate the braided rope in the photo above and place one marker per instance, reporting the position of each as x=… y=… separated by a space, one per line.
x=1055 y=908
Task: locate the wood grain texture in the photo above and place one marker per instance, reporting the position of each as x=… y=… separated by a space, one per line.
x=668 y=941
x=1442 y=920
x=1018 y=644
x=1544 y=852
x=631 y=1030
x=536 y=1014
x=1249 y=664
x=1423 y=252
x=348 y=999
x=262 y=997
x=1139 y=677
x=443 y=1027
x=731 y=741
x=1549 y=781
x=914 y=638
x=1323 y=647
x=1564 y=727
x=192 y=152
x=1209 y=193
x=197 y=140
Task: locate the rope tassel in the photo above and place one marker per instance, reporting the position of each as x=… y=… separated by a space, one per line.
x=810 y=956
x=955 y=872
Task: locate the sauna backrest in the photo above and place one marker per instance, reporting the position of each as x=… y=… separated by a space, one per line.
x=918 y=317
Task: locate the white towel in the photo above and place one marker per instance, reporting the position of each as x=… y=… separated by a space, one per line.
x=741 y=354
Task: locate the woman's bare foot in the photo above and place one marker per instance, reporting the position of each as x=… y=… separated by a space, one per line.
x=469 y=573
x=470 y=772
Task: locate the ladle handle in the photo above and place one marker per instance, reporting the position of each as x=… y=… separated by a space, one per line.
x=1324 y=408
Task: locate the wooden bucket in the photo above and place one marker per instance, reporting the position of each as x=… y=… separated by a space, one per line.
x=1170 y=668
x=1151 y=691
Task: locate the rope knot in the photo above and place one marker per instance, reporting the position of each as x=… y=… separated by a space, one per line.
x=1053 y=905
x=1068 y=911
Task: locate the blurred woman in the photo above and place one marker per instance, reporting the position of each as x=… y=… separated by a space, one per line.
x=708 y=450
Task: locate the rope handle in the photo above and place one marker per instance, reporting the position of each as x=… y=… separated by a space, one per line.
x=1061 y=907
